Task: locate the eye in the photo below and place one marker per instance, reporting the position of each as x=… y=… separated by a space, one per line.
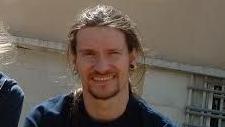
x=88 y=54
x=114 y=53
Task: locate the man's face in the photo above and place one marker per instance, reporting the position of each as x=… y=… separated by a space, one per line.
x=102 y=61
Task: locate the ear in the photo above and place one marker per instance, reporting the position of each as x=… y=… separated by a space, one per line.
x=133 y=57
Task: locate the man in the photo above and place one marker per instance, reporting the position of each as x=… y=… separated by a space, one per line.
x=11 y=95
x=104 y=47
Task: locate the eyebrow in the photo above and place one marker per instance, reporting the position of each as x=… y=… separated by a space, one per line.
x=85 y=50
x=113 y=50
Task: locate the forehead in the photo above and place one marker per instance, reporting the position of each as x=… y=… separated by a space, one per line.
x=100 y=37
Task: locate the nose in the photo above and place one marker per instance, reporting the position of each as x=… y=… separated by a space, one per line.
x=102 y=65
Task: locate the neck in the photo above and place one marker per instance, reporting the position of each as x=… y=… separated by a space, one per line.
x=106 y=110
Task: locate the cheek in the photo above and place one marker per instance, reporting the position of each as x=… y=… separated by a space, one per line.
x=123 y=67
x=84 y=70
x=81 y=68
x=124 y=63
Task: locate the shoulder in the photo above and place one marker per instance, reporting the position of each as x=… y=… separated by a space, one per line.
x=151 y=116
x=9 y=89
x=11 y=101
x=50 y=110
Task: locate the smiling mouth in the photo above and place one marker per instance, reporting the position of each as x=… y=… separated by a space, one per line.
x=103 y=77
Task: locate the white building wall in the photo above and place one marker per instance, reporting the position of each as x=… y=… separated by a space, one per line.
x=167 y=91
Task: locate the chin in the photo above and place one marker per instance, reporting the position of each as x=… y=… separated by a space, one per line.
x=103 y=96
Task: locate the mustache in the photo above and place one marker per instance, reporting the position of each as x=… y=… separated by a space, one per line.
x=102 y=73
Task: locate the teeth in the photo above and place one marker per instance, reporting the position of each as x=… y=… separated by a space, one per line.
x=103 y=78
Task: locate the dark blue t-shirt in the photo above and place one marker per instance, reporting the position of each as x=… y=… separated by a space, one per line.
x=130 y=118
x=60 y=111
x=11 y=101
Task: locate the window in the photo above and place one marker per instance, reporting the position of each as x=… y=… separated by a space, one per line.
x=206 y=102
